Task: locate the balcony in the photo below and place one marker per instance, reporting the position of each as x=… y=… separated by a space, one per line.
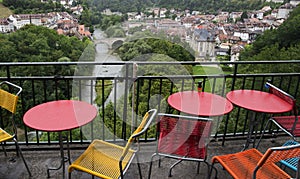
x=139 y=90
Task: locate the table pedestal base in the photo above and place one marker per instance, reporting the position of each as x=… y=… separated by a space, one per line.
x=63 y=158
x=252 y=132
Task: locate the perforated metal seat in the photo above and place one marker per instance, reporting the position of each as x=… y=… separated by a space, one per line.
x=9 y=101
x=107 y=160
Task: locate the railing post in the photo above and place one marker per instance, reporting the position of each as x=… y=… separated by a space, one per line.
x=7 y=72
x=232 y=88
x=134 y=71
x=125 y=101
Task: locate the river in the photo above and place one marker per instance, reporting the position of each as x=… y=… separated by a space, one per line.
x=103 y=55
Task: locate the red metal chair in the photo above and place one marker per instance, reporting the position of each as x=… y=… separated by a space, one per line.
x=183 y=138
x=289 y=123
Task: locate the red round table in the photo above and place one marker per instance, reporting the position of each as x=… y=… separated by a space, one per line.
x=58 y=116
x=200 y=103
x=257 y=101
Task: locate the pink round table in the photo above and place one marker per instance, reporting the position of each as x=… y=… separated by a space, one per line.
x=257 y=101
x=58 y=116
x=200 y=103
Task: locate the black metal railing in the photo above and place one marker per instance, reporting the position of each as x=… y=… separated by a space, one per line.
x=123 y=97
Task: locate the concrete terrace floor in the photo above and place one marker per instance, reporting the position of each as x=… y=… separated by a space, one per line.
x=39 y=160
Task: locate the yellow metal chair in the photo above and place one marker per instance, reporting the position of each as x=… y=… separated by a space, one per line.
x=8 y=101
x=107 y=160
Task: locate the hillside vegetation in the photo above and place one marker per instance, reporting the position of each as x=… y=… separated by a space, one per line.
x=276 y=44
x=4 y=11
x=206 y=6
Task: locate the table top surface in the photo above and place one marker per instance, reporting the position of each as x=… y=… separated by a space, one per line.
x=200 y=103
x=259 y=101
x=60 y=115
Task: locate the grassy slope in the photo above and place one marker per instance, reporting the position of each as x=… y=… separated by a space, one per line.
x=209 y=70
x=4 y=11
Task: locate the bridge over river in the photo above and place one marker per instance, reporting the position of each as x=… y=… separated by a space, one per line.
x=110 y=41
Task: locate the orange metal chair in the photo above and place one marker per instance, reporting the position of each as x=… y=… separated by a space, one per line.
x=8 y=101
x=253 y=164
x=183 y=138
x=107 y=160
x=289 y=123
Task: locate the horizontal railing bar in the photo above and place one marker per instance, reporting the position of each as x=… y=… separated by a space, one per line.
x=143 y=63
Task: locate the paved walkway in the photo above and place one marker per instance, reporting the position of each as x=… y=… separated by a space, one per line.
x=39 y=160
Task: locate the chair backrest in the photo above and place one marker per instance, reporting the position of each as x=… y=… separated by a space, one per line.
x=185 y=136
x=276 y=154
x=140 y=130
x=286 y=97
x=283 y=95
x=8 y=100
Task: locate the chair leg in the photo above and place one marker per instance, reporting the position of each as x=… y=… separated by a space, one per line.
x=208 y=169
x=3 y=148
x=20 y=152
x=70 y=175
x=170 y=170
x=150 y=166
x=159 y=161
x=198 y=168
x=211 y=169
x=139 y=167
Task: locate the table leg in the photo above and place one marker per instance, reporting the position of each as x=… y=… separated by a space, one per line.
x=63 y=159
x=252 y=127
x=68 y=148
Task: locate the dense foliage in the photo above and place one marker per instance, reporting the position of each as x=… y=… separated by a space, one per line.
x=205 y=6
x=33 y=6
x=132 y=50
x=147 y=43
x=39 y=44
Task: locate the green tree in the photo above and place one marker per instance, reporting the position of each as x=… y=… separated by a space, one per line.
x=40 y=44
x=244 y=16
x=115 y=31
x=86 y=18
